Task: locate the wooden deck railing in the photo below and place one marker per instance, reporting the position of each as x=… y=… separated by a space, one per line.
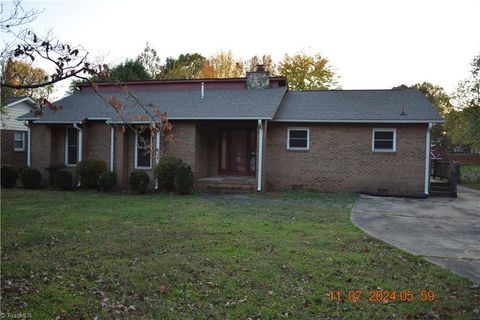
x=446 y=169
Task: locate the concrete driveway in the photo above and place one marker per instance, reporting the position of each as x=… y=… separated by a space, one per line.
x=446 y=231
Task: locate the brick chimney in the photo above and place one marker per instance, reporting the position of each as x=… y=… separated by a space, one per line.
x=259 y=79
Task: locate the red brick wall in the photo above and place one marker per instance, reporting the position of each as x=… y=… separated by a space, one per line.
x=18 y=159
x=96 y=141
x=42 y=149
x=340 y=159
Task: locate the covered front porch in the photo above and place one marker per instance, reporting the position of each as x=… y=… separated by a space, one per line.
x=228 y=155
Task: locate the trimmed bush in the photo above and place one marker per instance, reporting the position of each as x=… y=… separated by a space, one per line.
x=63 y=180
x=9 y=176
x=106 y=181
x=89 y=170
x=184 y=179
x=138 y=181
x=30 y=178
x=165 y=172
x=53 y=170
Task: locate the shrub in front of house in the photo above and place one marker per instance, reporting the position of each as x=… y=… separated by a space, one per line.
x=9 y=176
x=31 y=178
x=88 y=172
x=63 y=180
x=165 y=172
x=183 y=179
x=106 y=181
x=53 y=170
x=138 y=181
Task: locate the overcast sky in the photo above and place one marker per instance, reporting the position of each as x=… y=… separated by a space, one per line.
x=370 y=44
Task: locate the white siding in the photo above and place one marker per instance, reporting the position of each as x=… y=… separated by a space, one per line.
x=11 y=113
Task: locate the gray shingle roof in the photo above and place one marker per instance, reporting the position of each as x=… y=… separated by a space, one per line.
x=309 y=106
x=357 y=106
x=11 y=100
x=179 y=104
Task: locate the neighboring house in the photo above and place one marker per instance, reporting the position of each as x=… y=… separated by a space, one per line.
x=14 y=132
x=251 y=133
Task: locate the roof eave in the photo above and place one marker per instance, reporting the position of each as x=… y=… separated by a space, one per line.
x=361 y=121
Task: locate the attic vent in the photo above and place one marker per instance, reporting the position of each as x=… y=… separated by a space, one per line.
x=403 y=112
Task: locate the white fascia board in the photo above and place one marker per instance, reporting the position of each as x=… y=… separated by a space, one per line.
x=359 y=121
x=21 y=100
x=187 y=118
x=51 y=121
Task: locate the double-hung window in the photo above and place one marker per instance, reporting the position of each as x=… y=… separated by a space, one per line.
x=143 y=146
x=71 y=146
x=298 y=139
x=19 y=141
x=384 y=140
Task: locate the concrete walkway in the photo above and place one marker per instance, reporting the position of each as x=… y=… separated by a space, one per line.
x=446 y=231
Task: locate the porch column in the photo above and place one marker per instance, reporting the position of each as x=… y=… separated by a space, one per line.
x=260 y=155
x=427 y=159
x=29 y=145
x=157 y=153
x=112 y=147
x=80 y=147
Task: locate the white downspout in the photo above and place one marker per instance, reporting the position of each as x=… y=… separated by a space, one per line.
x=112 y=147
x=80 y=147
x=260 y=155
x=427 y=160
x=157 y=153
x=29 y=144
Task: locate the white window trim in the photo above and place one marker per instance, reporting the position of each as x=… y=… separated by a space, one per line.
x=66 y=147
x=23 y=141
x=394 y=149
x=298 y=148
x=136 y=152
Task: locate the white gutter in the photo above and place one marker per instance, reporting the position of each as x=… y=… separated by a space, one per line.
x=112 y=148
x=427 y=159
x=358 y=121
x=260 y=155
x=157 y=153
x=80 y=147
x=29 y=144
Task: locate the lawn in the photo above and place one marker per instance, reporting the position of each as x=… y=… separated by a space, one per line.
x=70 y=255
x=470 y=176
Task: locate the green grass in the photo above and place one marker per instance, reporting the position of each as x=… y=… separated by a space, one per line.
x=74 y=255
x=472 y=185
x=470 y=176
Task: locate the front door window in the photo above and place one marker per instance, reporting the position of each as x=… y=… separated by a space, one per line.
x=237 y=151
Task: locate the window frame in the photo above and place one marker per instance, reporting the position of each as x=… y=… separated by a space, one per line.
x=136 y=136
x=67 y=147
x=298 y=148
x=23 y=148
x=394 y=146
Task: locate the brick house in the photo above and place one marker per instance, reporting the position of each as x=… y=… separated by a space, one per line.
x=250 y=133
x=14 y=132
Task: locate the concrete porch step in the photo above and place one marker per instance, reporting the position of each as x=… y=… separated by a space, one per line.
x=227 y=184
x=443 y=193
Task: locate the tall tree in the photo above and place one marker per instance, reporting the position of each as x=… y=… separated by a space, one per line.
x=186 y=66
x=441 y=101
x=308 y=72
x=465 y=122
x=266 y=60
x=222 y=65
x=150 y=61
x=129 y=70
x=71 y=63
x=22 y=73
